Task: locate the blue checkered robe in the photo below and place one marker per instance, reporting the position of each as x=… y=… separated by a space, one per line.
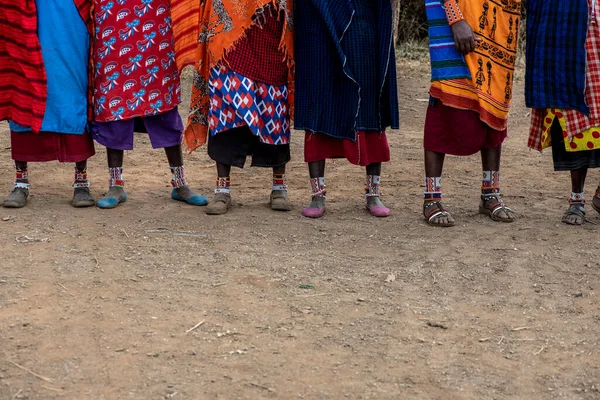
x=556 y=60
x=338 y=52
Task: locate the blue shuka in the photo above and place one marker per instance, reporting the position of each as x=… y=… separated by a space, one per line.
x=446 y=61
x=65 y=44
x=556 y=60
x=345 y=67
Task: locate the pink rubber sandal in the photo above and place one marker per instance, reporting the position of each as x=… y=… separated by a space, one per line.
x=313 y=212
x=379 y=211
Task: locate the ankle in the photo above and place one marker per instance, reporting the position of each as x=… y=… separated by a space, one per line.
x=116 y=178
x=80 y=181
x=576 y=199
x=22 y=179
x=178 y=177
x=319 y=190
x=373 y=186
x=433 y=190
x=279 y=183
x=223 y=185
x=490 y=183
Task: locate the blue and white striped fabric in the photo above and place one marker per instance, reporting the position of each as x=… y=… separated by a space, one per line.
x=446 y=61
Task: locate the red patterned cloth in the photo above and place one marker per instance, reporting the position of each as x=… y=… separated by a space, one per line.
x=23 y=83
x=578 y=122
x=134 y=60
x=257 y=55
x=51 y=146
x=370 y=147
x=450 y=130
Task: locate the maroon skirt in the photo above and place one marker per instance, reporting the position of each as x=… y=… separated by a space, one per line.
x=458 y=132
x=370 y=147
x=51 y=146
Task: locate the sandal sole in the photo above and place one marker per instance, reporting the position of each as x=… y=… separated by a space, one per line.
x=490 y=214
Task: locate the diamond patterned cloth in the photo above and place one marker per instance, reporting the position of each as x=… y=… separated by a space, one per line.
x=237 y=101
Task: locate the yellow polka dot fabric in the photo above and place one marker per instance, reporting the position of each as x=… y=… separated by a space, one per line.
x=586 y=140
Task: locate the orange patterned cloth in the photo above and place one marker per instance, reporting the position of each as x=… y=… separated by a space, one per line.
x=205 y=31
x=491 y=65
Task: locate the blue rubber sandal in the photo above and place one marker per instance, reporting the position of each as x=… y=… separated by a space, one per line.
x=194 y=200
x=111 y=202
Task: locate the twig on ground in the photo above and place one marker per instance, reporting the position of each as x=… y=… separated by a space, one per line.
x=260 y=386
x=521 y=328
x=219 y=284
x=311 y=295
x=194 y=327
x=16 y=394
x=31 y=372
x=184 y=234
x=539 y=351
x=436 y=325
x=53 y=389
x=65 y=289
x=501 y=340
x=433 y=276
x=92 y=299
x=484 y=339
x=125 y=232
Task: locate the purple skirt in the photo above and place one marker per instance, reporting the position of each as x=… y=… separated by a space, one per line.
x=164 y=130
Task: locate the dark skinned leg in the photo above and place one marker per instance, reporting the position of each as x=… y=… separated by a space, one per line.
x=374 y=169
x=573 y=214
x=596 y=200
x=316 y=169
x=578 y=177
x=434 y=165
x=222 y=201
x=115 y=194
x=490 y=161
x=82 y=196
x=175 y=158
x=18 y=197
x=223 y=169
x=279 y=198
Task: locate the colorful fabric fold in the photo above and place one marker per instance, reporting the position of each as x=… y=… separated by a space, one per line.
x=204 y=33
x=489 y=90
x=446 y=61
x=581 y=130
x=556 y=59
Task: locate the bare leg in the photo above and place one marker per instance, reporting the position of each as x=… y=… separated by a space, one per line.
x=181 y=190
x=279 y=197
x=81 y=192
x=316 y=169
x=20 y=193
x=490 y=161
x=434 y=165
x=374 y=201
x=116 y=192
x=596 y=199
x=222 y=200
x=575 y=214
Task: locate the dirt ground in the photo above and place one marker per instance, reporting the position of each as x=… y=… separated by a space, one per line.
x=94 y=305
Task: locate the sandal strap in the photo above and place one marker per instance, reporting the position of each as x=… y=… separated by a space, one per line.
x=576 y=209
x=439 y=210
x=498 y=206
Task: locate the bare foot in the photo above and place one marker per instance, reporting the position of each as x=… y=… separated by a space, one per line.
x=436 y=214
x=575 y=215
x=493 y=206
